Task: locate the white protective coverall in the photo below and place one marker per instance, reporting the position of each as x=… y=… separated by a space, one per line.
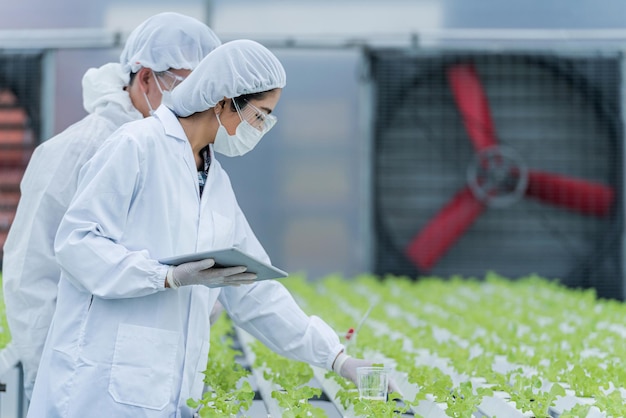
x=29 y=271
x=122 y=345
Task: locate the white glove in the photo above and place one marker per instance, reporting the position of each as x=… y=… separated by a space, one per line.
x=346 y=366
x=202 y=272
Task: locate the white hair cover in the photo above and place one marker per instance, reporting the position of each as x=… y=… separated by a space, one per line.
x=231 y=70
x=168 y=40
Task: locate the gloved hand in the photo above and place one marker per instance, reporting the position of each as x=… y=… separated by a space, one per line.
x=346 y=366
x=202 y=272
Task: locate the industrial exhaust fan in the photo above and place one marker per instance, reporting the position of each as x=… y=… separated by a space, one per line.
x=504 y=162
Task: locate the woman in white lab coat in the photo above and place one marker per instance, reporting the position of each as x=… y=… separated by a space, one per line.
x=158 y=53
x=130 y=336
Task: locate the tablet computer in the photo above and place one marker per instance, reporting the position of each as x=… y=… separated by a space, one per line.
x=229 y=257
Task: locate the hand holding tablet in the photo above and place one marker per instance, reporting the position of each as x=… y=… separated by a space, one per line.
x=231 y=257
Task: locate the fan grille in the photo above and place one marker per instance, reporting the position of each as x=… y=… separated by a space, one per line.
x=559 y=114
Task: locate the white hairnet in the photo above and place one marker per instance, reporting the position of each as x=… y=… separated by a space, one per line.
x=231 y=70
x=168 y=40
x=105 y=85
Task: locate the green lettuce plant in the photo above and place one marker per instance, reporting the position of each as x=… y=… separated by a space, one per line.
x=227 y=392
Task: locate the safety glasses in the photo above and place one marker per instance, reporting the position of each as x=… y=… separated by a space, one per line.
x=169 y=79
x=256 y=117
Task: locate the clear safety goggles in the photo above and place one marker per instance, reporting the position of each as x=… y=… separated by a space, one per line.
x=169 y=79
x=257 y=118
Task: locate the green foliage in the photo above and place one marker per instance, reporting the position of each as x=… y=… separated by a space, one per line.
x=553 y=340
x=292 y=378
x=5 y=334
x=548 y=332
x=612 y=403
x=578 y=411
x=348 y=393
x=553 y=333
x=227 y=393
x=463 y=399
x=372 y=408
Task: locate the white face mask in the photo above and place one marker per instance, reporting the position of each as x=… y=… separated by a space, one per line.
x=151 y=110
x=166 y=95
x=245 y=139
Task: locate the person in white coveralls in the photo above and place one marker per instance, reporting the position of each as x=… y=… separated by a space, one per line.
x=158 y=54
x=130 y=336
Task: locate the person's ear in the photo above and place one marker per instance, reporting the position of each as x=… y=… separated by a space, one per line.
x=219 y=107
x=143 y=77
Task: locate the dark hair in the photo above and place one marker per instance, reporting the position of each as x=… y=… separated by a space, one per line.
x=134 y=75
x=132 y=78
x=242 y=100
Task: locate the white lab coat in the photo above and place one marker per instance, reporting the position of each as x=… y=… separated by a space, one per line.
x=122 y=345
x=30 y=272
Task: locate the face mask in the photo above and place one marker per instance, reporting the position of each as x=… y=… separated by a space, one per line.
x=245 y=139
x=151 y=110
x=166 y=96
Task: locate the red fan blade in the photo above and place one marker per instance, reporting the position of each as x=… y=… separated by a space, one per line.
x=586 y=197
x=444 y=229
x=472 y=102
